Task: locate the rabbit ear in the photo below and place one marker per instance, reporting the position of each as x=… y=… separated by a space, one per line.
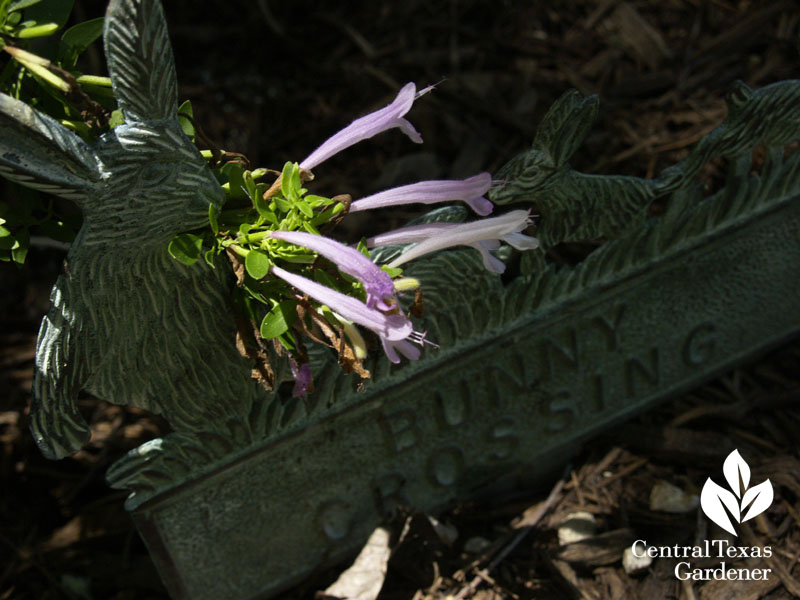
x=565 y=125
x=36 y=151
x=140 y=60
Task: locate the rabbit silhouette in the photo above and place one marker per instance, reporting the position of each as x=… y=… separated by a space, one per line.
x=127 y=323
x=766 y=116
x=573 y=206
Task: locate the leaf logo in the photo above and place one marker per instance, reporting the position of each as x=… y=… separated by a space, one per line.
x=743 y=502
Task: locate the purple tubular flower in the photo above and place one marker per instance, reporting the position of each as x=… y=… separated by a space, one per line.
x=469 y=190
x=483 y=235
x=388 y=117
x=302 y=379
x=406 y=348
x=393 y=329
x=377 y=284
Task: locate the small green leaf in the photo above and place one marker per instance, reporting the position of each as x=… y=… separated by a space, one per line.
x=20 y=4
x=209 y=257
x=213 y=219
x=249 y=184
x=310 y=228
x=233 y=171
x=287 y=341
x=330 y=317
x=19 y=254
x=186 y=248
x=279 y=319
x=297 y=184
x=282 y=204
x=185 y=110
x=391 y=272
x=77 y=39
x=316 y=201
x=80 y=127
x=116 y=119
x=257 y=264
x=20 y=249
x=37 y=31
x=305 y=208
x=286 y=180
x=3 y=231
x=262 y=206
x=327 y=214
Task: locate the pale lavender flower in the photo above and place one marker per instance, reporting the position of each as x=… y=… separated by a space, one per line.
x=469 y=190
x=483 y=235
x=388 y=117
x=377 y=284
x=302 y=378
x=406 y=348
x=393 y=329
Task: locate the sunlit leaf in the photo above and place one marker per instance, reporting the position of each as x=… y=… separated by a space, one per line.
x=209 y=257
x=286 y=180
x=77 y=39
x=186 y=248
x=257 y=264
x=213 y=219
x=234 y=172
x=279 y=319
x=187 y=126
x=117 y=119
x=305 y=208
x=37 y=31
x=18 y=255
x=262 y=206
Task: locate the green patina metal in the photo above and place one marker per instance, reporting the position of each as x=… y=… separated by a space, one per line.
x=252 y=491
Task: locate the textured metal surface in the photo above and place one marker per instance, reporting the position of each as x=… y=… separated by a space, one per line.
x=615 y=349
x=253 y=490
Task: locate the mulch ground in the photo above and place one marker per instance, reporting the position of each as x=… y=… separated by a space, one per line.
x=273 y=81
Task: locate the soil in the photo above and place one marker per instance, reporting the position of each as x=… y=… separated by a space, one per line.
x=272 y=80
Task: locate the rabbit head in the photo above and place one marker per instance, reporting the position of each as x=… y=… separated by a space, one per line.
x=531 y=174
x=144 y=181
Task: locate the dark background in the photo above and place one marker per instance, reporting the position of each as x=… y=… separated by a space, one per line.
x=273 y=80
